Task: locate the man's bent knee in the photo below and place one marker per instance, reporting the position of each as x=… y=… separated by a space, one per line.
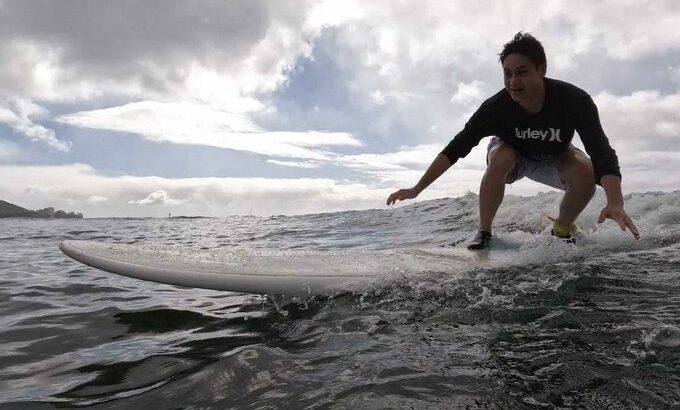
x=502 y=159
x=576 y=170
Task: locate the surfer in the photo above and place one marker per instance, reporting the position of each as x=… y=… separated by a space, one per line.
x=532 y=121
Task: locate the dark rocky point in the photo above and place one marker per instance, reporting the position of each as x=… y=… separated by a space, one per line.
x=8 y=210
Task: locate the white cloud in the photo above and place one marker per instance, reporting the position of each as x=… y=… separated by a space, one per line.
x=53 y=186
x=20 y=114
x=653 y=32
x=642 y=121
x=405 y=167
x=95 y=199
x=399 y=49
x=199 y=124
x=156 y=198
x=379 y=97
x=407 y=157
x=469 y=93
x=294 y=164
x=328 y=13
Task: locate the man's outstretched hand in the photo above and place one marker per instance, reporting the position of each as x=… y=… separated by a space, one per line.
x=618 y=214
x=400 y=195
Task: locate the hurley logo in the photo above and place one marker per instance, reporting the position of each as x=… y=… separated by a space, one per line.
x=528 y=133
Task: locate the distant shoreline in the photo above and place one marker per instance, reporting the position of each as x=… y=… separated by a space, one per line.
x=9 y=210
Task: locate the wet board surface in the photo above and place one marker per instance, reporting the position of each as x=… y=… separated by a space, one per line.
x=287 y=273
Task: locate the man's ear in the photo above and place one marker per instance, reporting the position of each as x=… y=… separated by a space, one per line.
x=542 y=68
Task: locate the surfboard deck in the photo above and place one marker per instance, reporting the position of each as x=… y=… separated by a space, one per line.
x=287 y=273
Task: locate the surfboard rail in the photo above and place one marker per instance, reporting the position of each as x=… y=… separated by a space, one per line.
x=206 y=276
x=276 y=273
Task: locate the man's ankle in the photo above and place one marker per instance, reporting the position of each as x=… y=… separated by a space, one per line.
x=563 y=230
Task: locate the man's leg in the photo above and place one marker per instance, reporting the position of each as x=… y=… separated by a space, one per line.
x=502 y=160
x=576 y=170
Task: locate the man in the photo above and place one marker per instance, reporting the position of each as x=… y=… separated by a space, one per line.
x=533 y=120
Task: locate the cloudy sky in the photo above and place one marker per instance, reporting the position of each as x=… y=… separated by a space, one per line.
x=144 y=107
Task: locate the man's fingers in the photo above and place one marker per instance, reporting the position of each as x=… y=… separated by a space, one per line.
x=633 y=228
x=621 y=222
x=603 y=216
x=396 y=196
x=622 y=219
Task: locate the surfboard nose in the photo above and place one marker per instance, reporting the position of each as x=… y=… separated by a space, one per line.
x=69 y=248
x=63 y=245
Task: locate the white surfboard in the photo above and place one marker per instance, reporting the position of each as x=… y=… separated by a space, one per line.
x=287 y=273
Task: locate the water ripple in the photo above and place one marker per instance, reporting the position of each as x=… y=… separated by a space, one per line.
x=596 y=328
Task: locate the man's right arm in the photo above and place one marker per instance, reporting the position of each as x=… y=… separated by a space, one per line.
x=440 y=164
x=480 y=125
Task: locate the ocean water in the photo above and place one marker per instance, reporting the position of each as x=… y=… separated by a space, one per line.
x=594 y=326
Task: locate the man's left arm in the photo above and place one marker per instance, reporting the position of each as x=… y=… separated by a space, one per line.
x=605 y=164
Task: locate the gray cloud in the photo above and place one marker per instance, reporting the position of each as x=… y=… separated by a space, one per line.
x=151 y=43
x=104 y=33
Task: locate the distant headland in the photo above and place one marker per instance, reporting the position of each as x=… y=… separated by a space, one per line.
x=8 y=210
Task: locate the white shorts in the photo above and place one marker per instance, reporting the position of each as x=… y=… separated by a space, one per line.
x=543 y=170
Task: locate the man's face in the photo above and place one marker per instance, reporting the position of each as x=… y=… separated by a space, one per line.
x=523 y=80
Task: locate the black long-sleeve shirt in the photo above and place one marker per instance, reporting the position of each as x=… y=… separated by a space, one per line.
x=566 y=109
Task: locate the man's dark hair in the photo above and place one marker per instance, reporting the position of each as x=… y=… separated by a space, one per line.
x=526 y=45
